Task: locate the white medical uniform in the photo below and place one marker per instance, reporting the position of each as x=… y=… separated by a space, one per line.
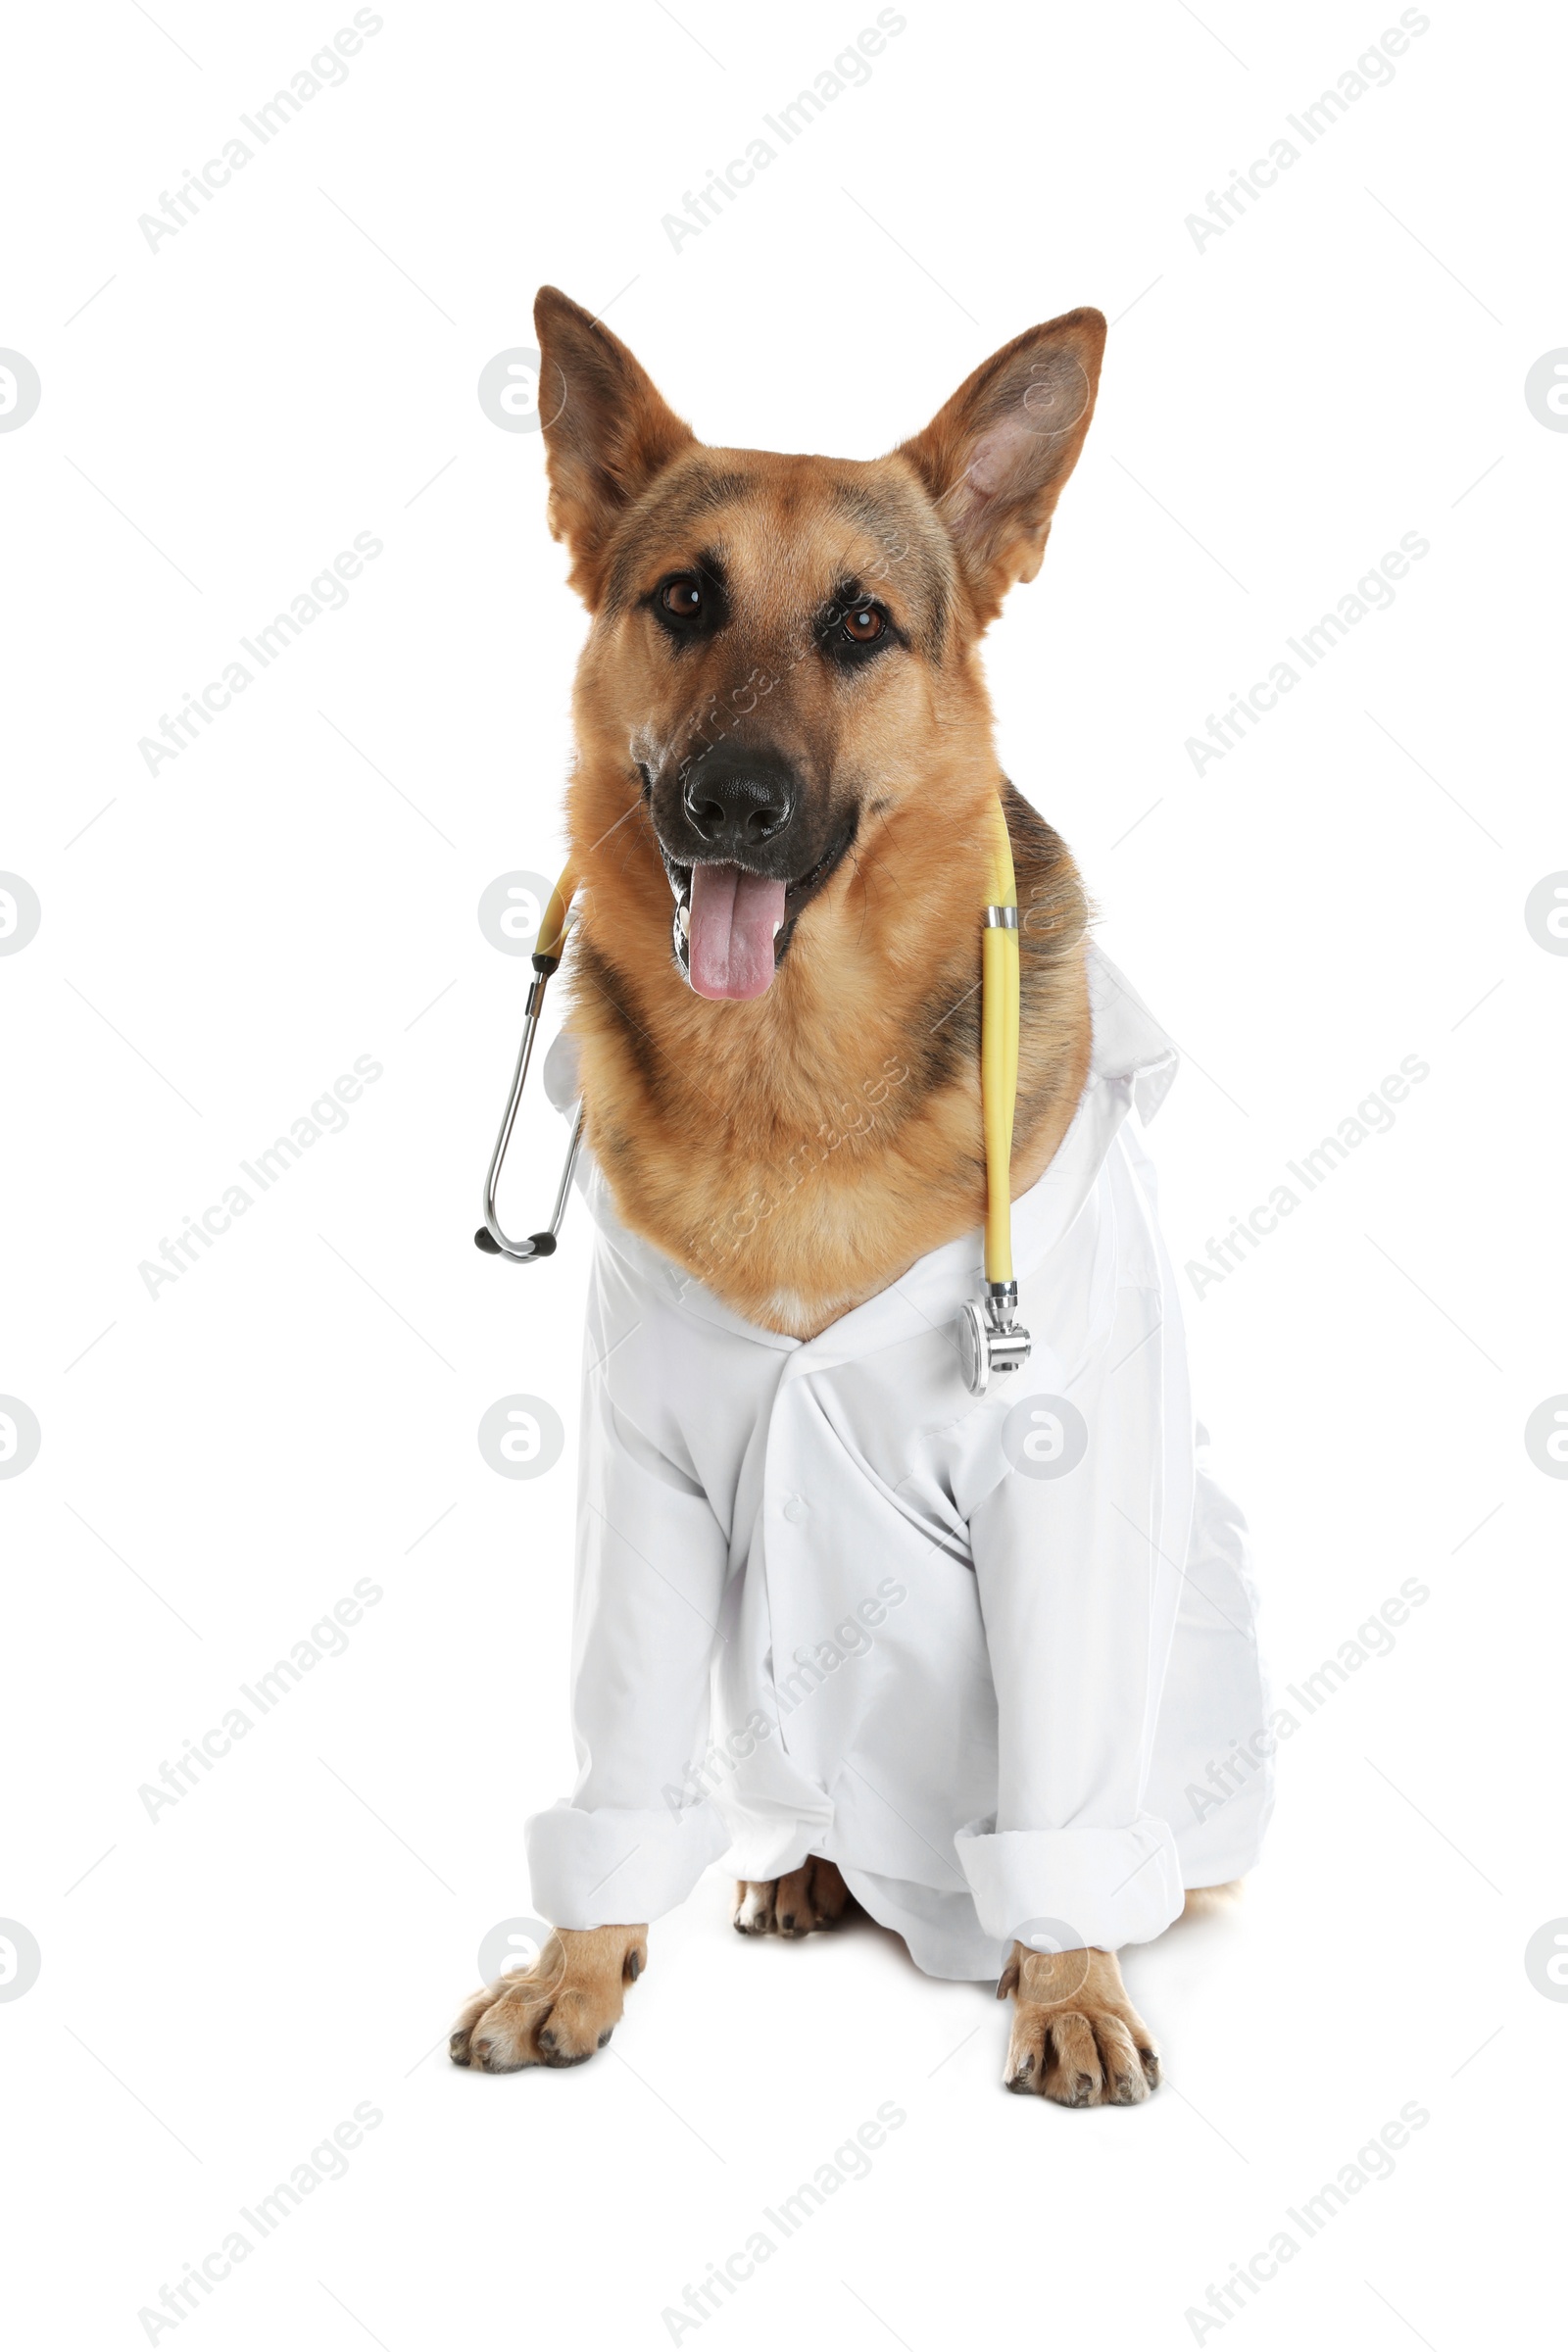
x=827 y=1603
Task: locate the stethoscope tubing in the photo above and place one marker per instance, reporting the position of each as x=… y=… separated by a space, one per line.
x=492 y=1235
x=990 y=1338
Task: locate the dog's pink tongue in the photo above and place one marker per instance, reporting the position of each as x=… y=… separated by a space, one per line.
x=734 y=915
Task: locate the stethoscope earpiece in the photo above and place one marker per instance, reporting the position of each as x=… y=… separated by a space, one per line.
x=538 y=1244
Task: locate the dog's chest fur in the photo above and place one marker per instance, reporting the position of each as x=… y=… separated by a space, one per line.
x=799 y=1158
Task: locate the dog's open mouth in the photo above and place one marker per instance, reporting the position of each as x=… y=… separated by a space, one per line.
x=733 y=927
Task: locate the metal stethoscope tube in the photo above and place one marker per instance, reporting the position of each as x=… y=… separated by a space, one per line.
x=492 y=1235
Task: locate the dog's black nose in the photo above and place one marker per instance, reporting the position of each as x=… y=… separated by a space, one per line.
x=736 y=801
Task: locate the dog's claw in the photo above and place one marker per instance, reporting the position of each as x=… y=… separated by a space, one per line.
x=1076 y=2037
x=558 y=2011
x=811 y=1897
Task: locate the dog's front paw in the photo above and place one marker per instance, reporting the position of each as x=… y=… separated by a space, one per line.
x=559 y=2011
x=813 y=1896
x=1076 y=2036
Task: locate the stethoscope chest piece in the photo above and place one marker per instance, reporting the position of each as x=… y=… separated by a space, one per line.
x=991 y=1340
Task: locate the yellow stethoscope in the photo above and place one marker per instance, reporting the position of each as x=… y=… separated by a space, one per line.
x=991 y=1340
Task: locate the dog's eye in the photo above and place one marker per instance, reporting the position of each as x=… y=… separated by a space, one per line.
x=863 y=625
x=683 y=597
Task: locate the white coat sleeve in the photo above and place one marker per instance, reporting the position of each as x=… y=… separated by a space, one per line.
x=633 y=1838
x=1078 y=1577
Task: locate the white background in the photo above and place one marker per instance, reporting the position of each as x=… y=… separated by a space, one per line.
x=221 y=1463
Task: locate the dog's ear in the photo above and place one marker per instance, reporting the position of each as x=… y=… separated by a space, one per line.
x=607 y=431
x=996 y=457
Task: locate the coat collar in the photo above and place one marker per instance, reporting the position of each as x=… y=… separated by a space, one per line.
x=1132 y=1064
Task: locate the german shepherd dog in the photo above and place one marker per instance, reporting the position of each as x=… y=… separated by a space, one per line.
x=779 y=814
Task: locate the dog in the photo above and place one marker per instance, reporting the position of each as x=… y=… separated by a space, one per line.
x=966 y=1657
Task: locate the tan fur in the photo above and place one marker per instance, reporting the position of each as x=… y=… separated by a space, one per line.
x=799 y=1153
x=1076 y=2036
x=1213 y=1902
x=792 y=1159
x=556 y=2012
x=800 y=1150
x=813 y=1896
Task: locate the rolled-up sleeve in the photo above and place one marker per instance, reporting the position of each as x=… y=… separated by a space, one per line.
x=637 y=1832
x=1078 y=1570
